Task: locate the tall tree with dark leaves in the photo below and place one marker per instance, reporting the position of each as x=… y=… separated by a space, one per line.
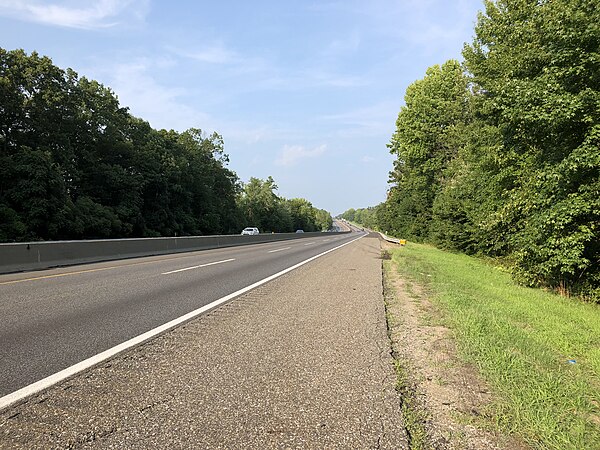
x=429 y=133
x=537 y=65
x=75 y=164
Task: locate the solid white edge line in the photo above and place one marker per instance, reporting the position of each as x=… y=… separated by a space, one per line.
x=279 y=249
x=197 y=267
x=51 y=380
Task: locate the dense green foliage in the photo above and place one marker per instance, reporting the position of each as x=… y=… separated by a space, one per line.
x=429 y=132
x=364 y=216
x=263 y=208
x=75 y=164
x=503 y=157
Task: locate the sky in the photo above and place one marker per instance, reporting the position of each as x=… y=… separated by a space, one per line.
x=307 y=92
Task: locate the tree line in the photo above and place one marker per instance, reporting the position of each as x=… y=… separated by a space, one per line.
x=75 y=164
x=499 y=154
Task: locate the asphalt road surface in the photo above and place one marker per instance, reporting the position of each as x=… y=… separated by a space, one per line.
x=303 y=361
x=55 y=318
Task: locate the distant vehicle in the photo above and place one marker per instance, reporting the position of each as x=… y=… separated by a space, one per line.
x=250 y=231
x=299 y=231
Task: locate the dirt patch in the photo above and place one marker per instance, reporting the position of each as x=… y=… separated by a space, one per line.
x=448 y=397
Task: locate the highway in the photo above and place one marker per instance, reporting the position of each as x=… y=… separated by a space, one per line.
x=53 y=319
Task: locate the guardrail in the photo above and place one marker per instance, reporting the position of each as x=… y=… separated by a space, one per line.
x=385 y=237
x=22 y=256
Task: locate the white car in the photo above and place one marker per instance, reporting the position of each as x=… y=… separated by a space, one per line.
x=250 y=231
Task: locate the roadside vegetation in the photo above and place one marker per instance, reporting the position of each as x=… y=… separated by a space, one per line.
x=538 y=351
x=75 y=164
x=499 y=155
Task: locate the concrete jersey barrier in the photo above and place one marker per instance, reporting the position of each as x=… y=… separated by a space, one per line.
x=22 y=256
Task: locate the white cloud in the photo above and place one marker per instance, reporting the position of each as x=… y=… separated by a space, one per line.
x=266 y=74
x=367 y=159
x=135 y=84
x=434 y=26
x=291 y=154
x=212 y=54
x=285 y=80
x=372 y=120
x=348 y=45
x=324 y=78
x=101 y=14
x=230 y=63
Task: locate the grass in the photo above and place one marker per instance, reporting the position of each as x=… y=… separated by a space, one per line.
x=521 y=340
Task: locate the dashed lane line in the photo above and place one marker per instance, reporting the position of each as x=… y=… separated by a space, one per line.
x=198 y=266
x=279 y=249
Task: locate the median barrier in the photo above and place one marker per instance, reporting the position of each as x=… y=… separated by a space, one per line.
x=22 y=256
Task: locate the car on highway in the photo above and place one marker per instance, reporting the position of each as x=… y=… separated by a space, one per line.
x=299 y=231
x=250 y=231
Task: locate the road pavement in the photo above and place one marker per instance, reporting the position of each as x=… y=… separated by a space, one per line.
x=53 y=319
x=300 y=362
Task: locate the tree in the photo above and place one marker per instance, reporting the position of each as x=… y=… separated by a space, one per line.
x=324 y=221
x=505 y=161
x=429 y=133
x=76 y=164
x=537 y=67
x=262 y=207
x=258 y=202
x=349 y=214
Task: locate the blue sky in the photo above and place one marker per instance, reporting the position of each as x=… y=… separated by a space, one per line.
x=305 y=91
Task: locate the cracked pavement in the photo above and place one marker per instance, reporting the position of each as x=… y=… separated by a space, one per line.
x=301 y=362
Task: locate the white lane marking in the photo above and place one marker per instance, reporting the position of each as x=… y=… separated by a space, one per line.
x=279 y=249
x=51 y=380
x=326 y=240
x=309 y=243
x=197 y=267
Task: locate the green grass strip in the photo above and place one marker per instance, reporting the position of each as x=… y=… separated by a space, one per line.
x=523 y=341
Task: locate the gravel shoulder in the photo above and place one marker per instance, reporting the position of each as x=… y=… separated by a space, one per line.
x=301 y=362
